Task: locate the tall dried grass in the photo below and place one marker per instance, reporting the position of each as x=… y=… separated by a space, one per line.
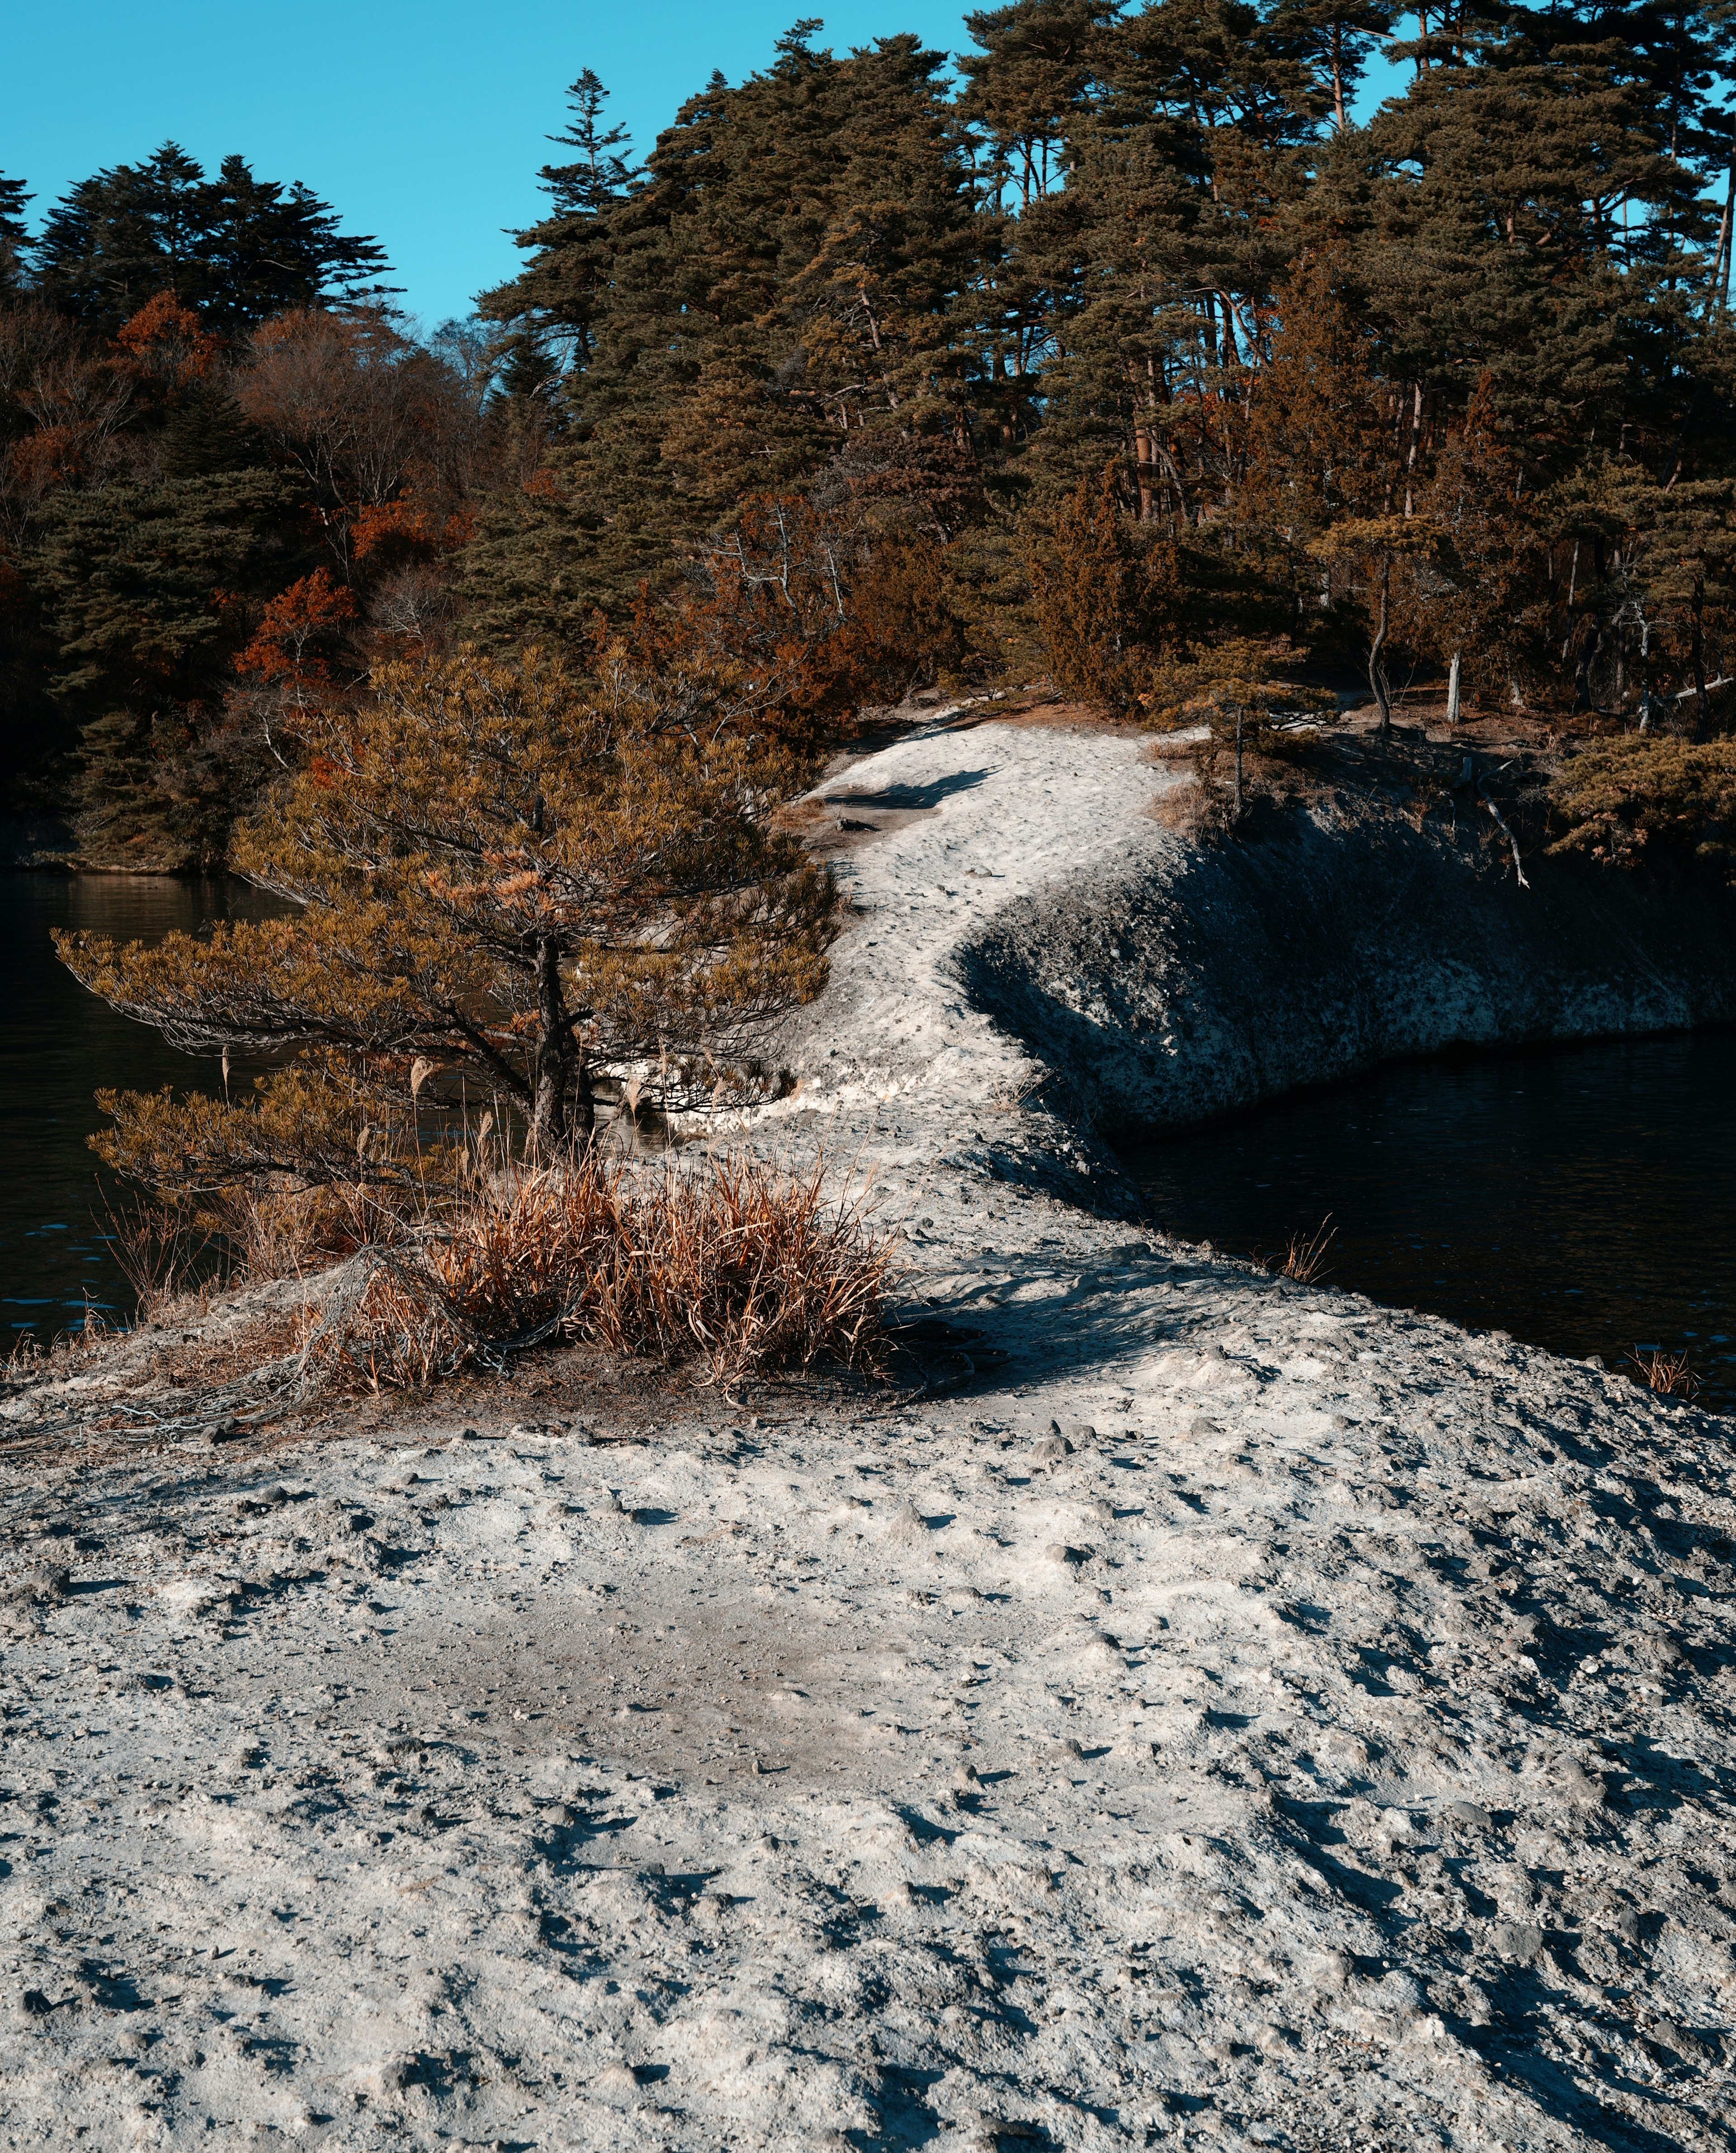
x=1304 y=1260
x=164 y=1252
x=744 y=1264
x=1670 y=1374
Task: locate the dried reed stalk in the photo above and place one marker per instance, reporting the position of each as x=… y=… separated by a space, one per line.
x=1305 y=1259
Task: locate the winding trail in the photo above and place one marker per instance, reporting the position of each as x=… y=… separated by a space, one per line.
x=1248 y=1717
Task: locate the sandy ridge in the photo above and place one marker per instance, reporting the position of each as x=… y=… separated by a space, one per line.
x=1253 y=1717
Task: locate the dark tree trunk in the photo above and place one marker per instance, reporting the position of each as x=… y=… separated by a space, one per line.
x=557 y=1114
x=1702 y=724
x=1377 y=676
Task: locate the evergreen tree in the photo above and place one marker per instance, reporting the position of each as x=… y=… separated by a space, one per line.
x=549 y=311
x=786 y=306
x=495 y=873
x=1475 y=603
x=235 y=249
x=1334 y=39
x=14 y=236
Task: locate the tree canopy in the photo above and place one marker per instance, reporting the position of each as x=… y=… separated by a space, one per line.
x=1443 y=386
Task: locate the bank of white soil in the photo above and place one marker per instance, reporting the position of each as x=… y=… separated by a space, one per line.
x=1324 y=1739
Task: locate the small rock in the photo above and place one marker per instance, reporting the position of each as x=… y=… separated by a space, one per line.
x=44 y=1584
x=1518 y=1940
x=1470 y=1816
x=1051 y=1450
x=1587 y=1788
x=1069 y=1557
x=1399 y=1997
x=1073 y=1432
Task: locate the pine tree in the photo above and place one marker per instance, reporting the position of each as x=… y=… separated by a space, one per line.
x=1475 y=602
x=550 y=311
x=1334 y=39
x=496 y=873
x=14 y=236
x=1315 y=453
x=235 y=249
x=1105 y=596
x=785 y=306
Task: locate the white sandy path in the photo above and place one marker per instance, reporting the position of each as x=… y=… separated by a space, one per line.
x=1332 y=1747
x=1001 y=811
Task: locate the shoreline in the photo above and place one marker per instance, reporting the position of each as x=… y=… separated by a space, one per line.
x=1249 y=1716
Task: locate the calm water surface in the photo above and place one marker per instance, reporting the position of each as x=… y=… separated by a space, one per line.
x=58 y=1044
x=1583 y=1198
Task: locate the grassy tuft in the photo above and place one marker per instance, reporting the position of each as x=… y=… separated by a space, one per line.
x=1304 y=1260
x=1669 y=1374
x=744 y=1265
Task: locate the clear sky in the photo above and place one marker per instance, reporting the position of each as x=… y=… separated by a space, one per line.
x=422 y=123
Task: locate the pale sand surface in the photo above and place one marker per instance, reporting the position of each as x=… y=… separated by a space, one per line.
x=1331 y=1748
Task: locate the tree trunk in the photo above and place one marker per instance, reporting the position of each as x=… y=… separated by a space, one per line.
x=1701 y=724
x=556 y=1056
x=1645 y=676
x=1238 y=763
x=1452 y=691
x=1376 y=677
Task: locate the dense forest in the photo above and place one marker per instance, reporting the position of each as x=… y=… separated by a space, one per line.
x=1116 y=332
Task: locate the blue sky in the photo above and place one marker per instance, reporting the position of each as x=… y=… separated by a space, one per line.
x=422 y=123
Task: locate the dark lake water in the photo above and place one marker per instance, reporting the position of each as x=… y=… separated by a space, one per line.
x=1583 y=1199
x=58 y=1044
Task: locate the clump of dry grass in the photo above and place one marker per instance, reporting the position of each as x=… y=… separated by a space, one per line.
x=1670 y=1374
x=747 y=1266
x=165 y=1252
x=1304 y=1260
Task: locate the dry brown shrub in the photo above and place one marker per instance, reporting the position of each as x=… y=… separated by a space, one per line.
x=1184 y=808
x=745 y=1265
x=1670 y=1374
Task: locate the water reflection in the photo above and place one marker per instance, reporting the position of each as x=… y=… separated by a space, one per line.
x=59 y=1046
x=1583 y=1199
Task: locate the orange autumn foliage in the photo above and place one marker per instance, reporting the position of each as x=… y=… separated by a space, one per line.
x=286 y=644
x=164 y=348
x=392 y=534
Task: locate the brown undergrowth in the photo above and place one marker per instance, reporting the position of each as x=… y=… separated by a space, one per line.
x=739 y=1265
x=747 y=1266
x=1483 y=782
